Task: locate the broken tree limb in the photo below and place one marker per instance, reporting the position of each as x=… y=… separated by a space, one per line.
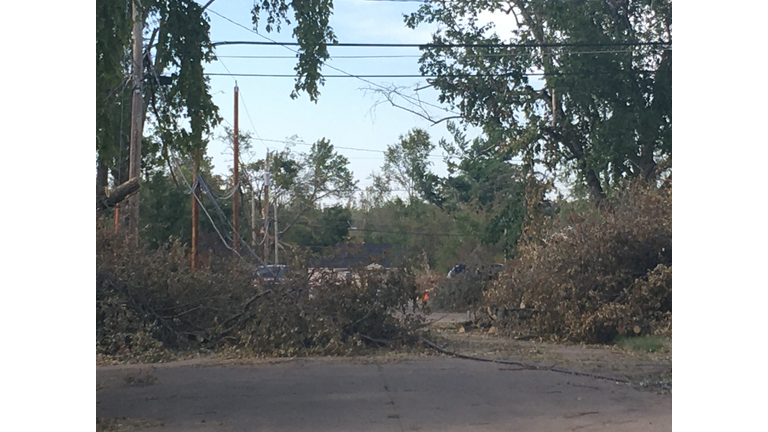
x=116 y=195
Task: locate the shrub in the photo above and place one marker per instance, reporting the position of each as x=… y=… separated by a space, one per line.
x=606 y=274
x=149 y=304
x=464 y=291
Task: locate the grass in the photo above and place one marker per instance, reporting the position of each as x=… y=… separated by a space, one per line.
x=642 y=343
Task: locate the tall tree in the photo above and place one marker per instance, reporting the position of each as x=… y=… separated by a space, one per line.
x=482 y=179
x=407 y=164
x=113 y=31
x=175 y=89
x=603 y=108
x=326 y=227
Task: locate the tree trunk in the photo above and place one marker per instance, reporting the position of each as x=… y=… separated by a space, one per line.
x=102 y=177
x=596 y=193
x=116 y=195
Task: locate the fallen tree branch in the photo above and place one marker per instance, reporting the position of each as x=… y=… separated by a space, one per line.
x=529 y=337
x=244 y=310
x=116 y=195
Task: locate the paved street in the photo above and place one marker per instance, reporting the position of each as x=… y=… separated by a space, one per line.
x=423 y=394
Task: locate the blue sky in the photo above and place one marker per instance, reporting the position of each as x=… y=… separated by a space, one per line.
x=345 y=114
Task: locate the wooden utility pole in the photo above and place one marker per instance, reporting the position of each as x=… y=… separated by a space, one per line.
x=137 y=122
x=265 y=210
x=235 y=196
x=554 y=109
x=195 y=211
x=276 y=242
x=253 y=214
x=117 y=216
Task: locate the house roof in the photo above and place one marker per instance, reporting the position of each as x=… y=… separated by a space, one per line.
x=356 y=254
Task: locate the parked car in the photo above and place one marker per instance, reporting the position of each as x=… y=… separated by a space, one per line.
x=271 y=273
x=493 y=270
x=458 y=268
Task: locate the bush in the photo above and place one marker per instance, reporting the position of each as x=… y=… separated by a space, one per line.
x=606 y=274
x=149 y=304
x=464 y=291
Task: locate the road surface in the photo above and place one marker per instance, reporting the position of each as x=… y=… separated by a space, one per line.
x=322 y=394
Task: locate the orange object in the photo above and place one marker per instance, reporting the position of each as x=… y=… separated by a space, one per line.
x=426 y=297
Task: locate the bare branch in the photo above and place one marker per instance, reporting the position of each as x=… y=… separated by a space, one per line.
x=389 y=96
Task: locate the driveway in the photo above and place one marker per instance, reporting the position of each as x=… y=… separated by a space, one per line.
x=369 y=394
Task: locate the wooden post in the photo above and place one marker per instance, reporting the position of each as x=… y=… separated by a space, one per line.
x=265 y=210
x=235 y=196
x=195 y=212
x=117 y=216
x=137 y=122
x=276 y=243
x=253 y=214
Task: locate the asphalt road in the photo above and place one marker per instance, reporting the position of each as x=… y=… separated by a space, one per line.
x=423 y=394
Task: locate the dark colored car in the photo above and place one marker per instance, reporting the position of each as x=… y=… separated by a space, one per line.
x=270 y=273
x=458 y=268
x=492 y=269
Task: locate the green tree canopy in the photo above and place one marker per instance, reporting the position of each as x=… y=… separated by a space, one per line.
x=603 y=107
x=407 y=164
x=175 y=90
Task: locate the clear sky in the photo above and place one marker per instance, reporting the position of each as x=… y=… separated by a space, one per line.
x=347 y=114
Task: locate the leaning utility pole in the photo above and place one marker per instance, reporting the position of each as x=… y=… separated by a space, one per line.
x=137 y=122
x=235 y=196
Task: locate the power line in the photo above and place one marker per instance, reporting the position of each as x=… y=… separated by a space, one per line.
x=333 y=57
x=410 y=232
x=428 y=1
x=431 y=45
x=509 y=74
x=335 y=146
x=248 y=113
x=245 y=105
x=422 y=233
x=387 y=56
x=411 y=99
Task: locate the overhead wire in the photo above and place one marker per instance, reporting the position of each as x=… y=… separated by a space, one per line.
x=336 y=147
x=382 y=87
x=424 y=233
x=386 y=56
x=253 y=75
x=199 y=181
x=333 y=57
x=455 y=45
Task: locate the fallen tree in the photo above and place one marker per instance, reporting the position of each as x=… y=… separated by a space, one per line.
x=150 y=305
x=111 y=198
x=604 y=275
